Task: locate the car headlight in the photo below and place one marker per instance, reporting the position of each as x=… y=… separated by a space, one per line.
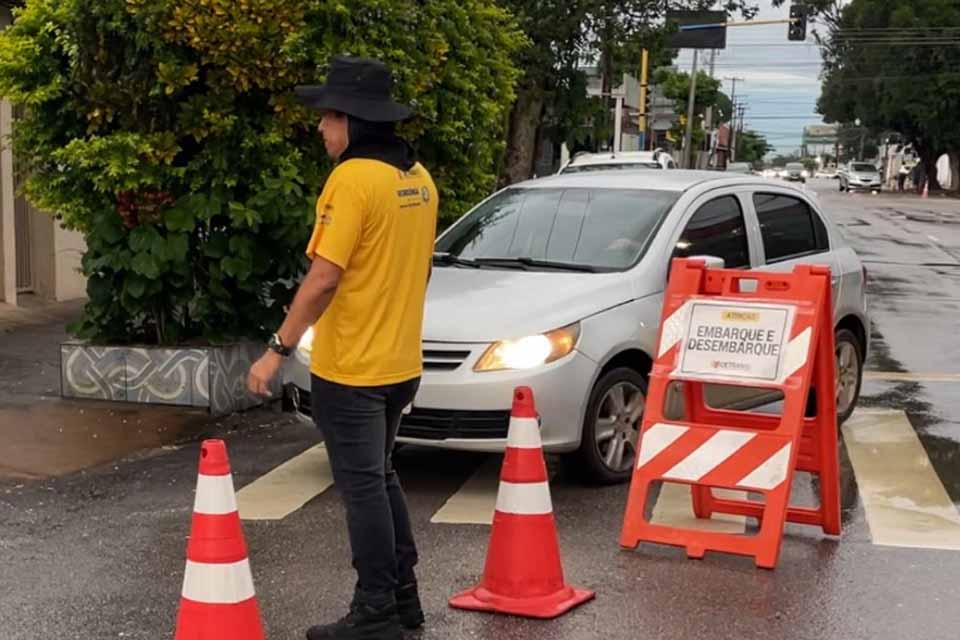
x=305 y=346
x=784 y=174
x=529 y=352
x=805 y=174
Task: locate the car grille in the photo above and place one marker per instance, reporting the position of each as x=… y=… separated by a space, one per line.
x=435 y=359
x=436 y=424
x=440 y=424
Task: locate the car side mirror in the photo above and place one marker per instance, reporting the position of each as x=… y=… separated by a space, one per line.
x=713 y=262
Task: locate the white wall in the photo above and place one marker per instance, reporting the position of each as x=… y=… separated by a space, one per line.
x=69 y=247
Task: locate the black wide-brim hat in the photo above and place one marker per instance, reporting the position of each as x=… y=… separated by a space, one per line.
x=358 y=87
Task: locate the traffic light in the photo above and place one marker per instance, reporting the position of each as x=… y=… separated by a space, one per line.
x=798 y=23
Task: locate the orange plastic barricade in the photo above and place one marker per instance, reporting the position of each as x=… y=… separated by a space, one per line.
x=746 y=328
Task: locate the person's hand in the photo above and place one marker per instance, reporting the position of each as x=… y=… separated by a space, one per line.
x=262 y=372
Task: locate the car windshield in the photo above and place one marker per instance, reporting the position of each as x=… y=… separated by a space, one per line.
x=795 y=166
x=607 y=229
x=864 y=168
x=613 y=166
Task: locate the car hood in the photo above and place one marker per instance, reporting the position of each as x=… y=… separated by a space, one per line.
x=484 y=305
x=873 y=175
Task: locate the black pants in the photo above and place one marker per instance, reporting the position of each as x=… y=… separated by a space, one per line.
x=359 y=426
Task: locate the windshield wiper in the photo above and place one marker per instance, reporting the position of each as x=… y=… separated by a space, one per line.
x=525 y=263
x=443 y=258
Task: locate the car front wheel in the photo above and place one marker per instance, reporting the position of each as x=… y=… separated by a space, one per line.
x=849 y=374
x=611 y=428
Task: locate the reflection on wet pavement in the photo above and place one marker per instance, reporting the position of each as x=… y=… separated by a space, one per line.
x=52 y=437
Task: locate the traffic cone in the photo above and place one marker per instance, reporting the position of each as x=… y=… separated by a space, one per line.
x=523 y=574
x=217 y=601
x=926 y=189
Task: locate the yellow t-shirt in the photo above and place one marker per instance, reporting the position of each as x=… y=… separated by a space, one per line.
x=378 y=224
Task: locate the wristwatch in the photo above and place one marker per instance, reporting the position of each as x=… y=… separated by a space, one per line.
x=275 y=344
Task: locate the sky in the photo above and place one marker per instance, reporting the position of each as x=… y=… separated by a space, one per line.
x=780 y=79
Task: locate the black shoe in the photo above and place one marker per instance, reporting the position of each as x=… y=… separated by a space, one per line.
x=409 y=609
x=362 y=623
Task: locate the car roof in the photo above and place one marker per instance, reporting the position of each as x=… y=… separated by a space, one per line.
x=677 y=180
x=624 y=157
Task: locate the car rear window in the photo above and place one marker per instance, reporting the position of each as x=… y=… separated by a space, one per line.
x=604 y=228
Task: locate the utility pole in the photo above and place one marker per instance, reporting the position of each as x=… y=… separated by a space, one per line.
x=644 y=81
x=618 y=124
x=736 y=129
x=708 y=122
x=688 y=135
x=733 y=125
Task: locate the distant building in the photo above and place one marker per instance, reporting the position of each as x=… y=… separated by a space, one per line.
x=660 y=119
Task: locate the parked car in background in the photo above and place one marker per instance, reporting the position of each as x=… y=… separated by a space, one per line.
x=657 y=159
x=558 y=284
x=794 y=172
x=740 y=167
x=861 y=176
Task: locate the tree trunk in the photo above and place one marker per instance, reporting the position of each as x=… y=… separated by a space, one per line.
x=525 y=122
x=928 y=158
x=931 y=165
x=955 y=170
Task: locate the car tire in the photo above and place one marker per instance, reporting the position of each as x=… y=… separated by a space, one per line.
x=846 y=345
x=590 y=461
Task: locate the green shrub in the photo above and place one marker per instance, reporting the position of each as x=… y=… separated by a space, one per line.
x=167 y=133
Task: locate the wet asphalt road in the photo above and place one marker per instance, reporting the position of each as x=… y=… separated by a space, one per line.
x=99 y=553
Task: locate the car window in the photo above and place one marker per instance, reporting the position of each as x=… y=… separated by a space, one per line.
x=716 y=229
x=789 y=227
x=604 y=228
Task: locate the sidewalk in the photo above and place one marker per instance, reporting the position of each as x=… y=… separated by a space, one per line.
x=32 y=311
x=45 y=435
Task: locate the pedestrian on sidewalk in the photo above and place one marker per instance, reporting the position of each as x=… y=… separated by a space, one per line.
x=902 y=177
x=364 y=293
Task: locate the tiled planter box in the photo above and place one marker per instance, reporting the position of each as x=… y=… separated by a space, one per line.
x=210 y=377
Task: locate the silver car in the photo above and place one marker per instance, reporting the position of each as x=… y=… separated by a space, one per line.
x=558 y=283
x=860 y=176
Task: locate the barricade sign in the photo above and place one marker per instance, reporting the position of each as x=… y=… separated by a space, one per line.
x=744 y=328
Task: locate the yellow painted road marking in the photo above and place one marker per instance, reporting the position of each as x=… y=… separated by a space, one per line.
x=905 y=503
x=901 y=376
x=476 y=500
x=288 y=487
x=674 y=508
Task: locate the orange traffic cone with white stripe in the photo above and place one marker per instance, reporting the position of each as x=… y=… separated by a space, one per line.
x=217 y=601
x=523 y=575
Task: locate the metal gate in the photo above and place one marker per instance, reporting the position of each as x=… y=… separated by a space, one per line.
x=22 y=215
x=21 y=225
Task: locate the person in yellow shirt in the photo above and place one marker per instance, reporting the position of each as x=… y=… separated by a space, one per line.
x=371 y=252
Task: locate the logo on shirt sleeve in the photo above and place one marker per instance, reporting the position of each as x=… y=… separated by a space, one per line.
x=326 y=217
